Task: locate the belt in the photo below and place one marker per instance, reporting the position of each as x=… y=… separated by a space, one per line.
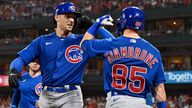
x=128 y=98
x=112 y=93
x=63 y=89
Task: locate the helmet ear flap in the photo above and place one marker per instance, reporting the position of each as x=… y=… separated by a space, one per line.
x=120 y=25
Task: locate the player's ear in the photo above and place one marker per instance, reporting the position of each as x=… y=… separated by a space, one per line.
x=56 y=17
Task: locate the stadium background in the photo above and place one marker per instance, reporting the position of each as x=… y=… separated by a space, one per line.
x=168 y=27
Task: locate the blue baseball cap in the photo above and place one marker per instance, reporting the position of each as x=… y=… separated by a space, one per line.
x=66 y=7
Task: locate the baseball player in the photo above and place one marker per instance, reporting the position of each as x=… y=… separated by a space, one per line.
x=61 y=58
x=30 y=87
x=131 y=64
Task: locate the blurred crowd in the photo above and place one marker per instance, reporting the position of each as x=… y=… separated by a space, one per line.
x=25 y=39
x=180 y=101
x=164 y=31
x=174 y=101
x=5 y=100
x=27 y=9
x=95 y=102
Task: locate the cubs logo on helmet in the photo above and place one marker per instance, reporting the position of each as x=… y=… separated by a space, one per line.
x=38 y=89
x=72 y=8
x=74 y=54
x=130 y=18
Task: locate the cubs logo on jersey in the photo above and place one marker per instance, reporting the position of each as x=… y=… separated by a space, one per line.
x=38 y=89
x=74 y=54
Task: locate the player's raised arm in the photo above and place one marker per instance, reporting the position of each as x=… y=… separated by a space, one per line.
x=160 y=96
x=105 y=33
x=91 y=32
x=85 y=22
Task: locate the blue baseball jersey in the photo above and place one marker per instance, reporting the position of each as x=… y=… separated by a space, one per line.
x=131 y=66
x=61 y=58
x=28 y=92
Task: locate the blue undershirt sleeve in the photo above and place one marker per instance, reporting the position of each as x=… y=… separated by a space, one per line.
x=17 y=63
x=104 y=33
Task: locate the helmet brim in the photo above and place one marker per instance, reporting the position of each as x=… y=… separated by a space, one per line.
x=77 y=14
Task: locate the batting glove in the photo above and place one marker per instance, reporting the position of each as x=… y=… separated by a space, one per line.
x=13 y=78
x=84 y=22
x=105 y=20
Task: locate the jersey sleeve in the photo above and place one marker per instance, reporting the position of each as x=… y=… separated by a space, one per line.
x=104 y=33
x=159 y=77
x=17 y=63
x=30 y=52
x=15 y=98
x=95 y=47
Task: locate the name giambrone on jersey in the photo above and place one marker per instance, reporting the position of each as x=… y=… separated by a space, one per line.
x=131 y=52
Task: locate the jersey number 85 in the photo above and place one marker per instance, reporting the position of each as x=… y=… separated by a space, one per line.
x=133 y=77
